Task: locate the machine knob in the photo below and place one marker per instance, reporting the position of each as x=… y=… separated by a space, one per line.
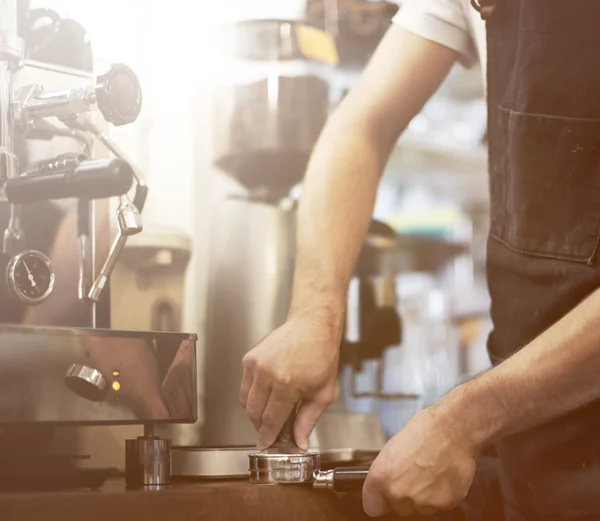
x=119 y=95
x=87 y=382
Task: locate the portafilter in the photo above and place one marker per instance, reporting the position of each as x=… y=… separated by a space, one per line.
x=286 y=463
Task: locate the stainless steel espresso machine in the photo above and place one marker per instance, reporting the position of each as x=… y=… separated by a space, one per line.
x=61 y=366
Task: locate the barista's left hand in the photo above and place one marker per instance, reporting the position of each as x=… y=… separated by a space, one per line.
x=427 y=467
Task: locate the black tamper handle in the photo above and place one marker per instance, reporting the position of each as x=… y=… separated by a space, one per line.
x=349 y=479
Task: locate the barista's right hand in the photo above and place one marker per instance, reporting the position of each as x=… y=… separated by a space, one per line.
x=297 y=362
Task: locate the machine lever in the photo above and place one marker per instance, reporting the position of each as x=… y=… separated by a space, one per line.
x=71 y=178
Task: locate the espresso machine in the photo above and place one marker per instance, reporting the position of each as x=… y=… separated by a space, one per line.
x=61 y=366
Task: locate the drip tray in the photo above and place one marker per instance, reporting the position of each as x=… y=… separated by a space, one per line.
x=211 y=463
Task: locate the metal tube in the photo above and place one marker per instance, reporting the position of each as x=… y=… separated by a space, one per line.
x=13 y=239
x=93 y=222
x=83 y=238
x=130 y=223
x=60 y=103
x=111 y=145
x=113 y=256
x=77 y=135
x=84 y=279
x=9 y=160
x=11 y=52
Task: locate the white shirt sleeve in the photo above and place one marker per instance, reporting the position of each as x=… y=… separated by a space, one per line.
x=441 y=21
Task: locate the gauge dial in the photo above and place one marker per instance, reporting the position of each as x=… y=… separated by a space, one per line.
x=30 y=277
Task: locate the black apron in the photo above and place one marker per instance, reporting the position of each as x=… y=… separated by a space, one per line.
x=544 y=136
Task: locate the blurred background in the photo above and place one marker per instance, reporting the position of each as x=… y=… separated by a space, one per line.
x=235 y=94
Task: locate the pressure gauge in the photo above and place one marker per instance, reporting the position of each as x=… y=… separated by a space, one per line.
x=30 y=277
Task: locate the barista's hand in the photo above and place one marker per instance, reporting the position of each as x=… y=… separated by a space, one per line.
x=296 y=362
x=427 y=467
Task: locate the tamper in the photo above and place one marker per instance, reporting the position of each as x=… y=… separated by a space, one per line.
x=284 y=461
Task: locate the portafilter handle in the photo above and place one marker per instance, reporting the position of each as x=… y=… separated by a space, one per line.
x=341 y=479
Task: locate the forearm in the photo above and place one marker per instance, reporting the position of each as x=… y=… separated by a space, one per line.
x=334 y=213
x=341 y=182
x=553 y=375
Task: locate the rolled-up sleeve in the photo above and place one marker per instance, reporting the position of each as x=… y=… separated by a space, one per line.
x=441 y=21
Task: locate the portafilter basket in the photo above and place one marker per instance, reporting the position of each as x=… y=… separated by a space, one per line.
x=286 y=463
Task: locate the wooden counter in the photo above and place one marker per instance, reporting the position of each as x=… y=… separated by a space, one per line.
x=192 y=501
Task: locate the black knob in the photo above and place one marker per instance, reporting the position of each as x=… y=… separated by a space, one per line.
x=119 y=95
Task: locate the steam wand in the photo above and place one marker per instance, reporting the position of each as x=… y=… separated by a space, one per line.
x=130 y=223
x=128 y=213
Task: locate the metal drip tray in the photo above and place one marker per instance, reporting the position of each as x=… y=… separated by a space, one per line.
x=211 y=463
